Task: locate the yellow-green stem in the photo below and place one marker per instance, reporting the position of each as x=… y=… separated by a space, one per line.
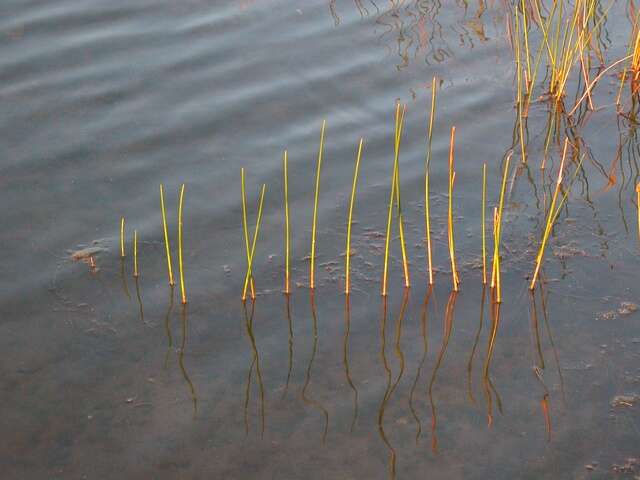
x=183 y=287
x=286 y=223
x=253 y=245
x=347 y=283
x=312 y=283
x=166 y=237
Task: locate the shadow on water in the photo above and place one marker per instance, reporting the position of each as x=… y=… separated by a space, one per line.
x=139 y=298
x=448 y=327
x=305 y=398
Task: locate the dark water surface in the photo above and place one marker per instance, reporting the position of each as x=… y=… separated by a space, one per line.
x=103 y=377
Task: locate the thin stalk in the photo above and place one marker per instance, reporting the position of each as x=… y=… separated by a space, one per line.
x=166 y=237
x=253 y=245
x=347 y=283
x=550 y=217
x=638 y=205
x=495 y=277
x=135 y=254
x=121 y=237
x=286 y=224
x=183 y=288
x=484 y=206
x=312 y=283
x=427 y=219
x=403 y=245
x=452 y=246
x=246 y=229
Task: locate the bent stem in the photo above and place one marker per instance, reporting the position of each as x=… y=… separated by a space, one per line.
x=347 y=283
x=312 y=283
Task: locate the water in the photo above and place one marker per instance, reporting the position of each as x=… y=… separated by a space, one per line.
x=103 y=378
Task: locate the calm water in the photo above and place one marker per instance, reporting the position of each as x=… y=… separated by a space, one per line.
x=103 y=377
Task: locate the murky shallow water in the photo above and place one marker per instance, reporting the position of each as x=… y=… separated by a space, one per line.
x=103 y=378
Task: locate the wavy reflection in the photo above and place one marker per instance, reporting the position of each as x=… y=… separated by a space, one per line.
x=305 y=398
x=448 y=327
x=139 y=298
x=475 y=346
x=425 y=347
x=183 y=369
x=290 y=323
x=489 y=389
x=345 y=358
x=255 y=362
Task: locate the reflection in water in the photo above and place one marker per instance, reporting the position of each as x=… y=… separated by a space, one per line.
x=183 y=345
x=345 y=358
x=448 y=327
x=391 y=387
x=288 y=310
x=167 y=327
x=553 y=345
x=255 y=361
x=425 y=348
x=306 y=399
x=139 y=297
x=475 y=346
x=489 y=390
x=123 y=277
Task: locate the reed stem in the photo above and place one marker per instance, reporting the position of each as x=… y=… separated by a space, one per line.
x=253 y=246
x=121 y=237
x=312 y=283
x=495 y=276
x=347 y=282
x=286 y=224
x=427 y=216
x=484 y=207
x=246 y=230
x=183 y=288
x=166 y=237
x=452 y=177
x=551 y=216
x=135 y=254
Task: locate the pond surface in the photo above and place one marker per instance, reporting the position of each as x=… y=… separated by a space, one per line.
x=103 y=376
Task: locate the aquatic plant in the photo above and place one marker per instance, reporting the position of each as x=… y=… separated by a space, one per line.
x=121 y=237
x=250 y=253
x=497 y=230
x=286 y=223
x=183 y=288
x=482 y=215
x=312 y=283
x=394 y=196
x=451 y=239
x=427 y=214
x=551 y=215
x=135 y=254
x=347 y=282
x=166 y=237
